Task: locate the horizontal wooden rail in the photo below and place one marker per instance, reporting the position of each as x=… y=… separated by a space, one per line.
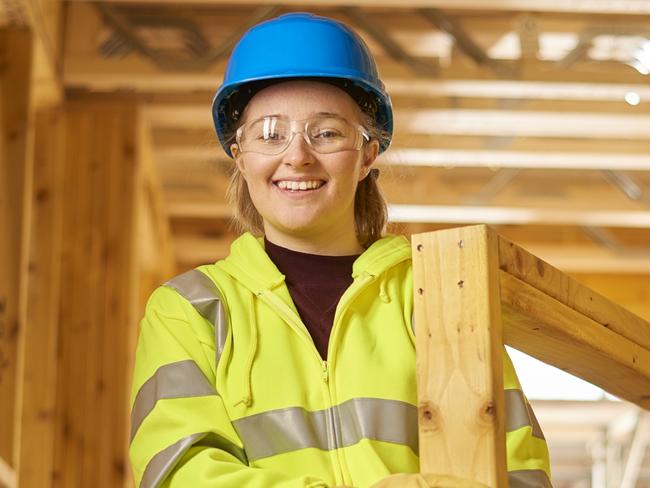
x=552 y=317
x=7 y=475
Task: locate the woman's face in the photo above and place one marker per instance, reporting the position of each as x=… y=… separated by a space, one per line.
x=324 y=212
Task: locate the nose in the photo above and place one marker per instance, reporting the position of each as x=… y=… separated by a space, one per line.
x=298 y=153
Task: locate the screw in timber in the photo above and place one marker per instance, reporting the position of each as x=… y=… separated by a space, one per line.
x=420 y=247
x=460 y=283
x=461 y=243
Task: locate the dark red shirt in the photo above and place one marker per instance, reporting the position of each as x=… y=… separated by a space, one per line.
x=316 y=284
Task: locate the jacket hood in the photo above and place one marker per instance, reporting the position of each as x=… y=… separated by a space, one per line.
x=251 y=266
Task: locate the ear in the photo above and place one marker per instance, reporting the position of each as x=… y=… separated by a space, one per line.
x=237 y=156
x=370 y=153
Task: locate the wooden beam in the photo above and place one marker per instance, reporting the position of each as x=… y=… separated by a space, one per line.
x=453 y=158
x=513 y=89
x=542 y=276
x=515 y=215
x=99 y=264
x=16 y=145
x=39 y=360
x=556 y=334
x=629 y=7
x=524 y=123
x=555 y=319
x=43 y=17
x=459 y=347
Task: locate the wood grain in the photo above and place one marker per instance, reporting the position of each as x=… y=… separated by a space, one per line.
x=556 y=284
x=15 y=181
x=38 y=365
x=554 y=333
x=459 y=354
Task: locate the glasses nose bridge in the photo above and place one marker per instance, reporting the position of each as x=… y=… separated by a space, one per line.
x=298 y=127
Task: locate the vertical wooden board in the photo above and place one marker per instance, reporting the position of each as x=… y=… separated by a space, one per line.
x=39 y=362
x=15 y=173
x=459 y=354
x=93 y=443
x=73 y=305
x=120 y=299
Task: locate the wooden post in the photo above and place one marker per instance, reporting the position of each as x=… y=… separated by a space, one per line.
x=15 y=181
x=459 y=364
x=37 y=365
x=98 y=305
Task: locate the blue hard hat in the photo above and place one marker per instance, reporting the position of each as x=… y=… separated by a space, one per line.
x=300 y=46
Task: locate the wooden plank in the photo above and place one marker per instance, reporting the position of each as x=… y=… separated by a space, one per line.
x=465 y=214
x=15 y=180
x=538 y=274
x=39 y=360
x=102 y=171
x=629 y=7
x=459 y=345
x=74 y=320
x=558 y=334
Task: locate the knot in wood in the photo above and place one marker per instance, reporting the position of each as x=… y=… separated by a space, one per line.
x=488 y=412
x=429 y=417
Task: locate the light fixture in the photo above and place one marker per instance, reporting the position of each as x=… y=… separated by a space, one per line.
x=633 y=98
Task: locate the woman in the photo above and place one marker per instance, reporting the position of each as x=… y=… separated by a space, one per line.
x=291 y=363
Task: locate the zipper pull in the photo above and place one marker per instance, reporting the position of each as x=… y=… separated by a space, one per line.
x=326 y=374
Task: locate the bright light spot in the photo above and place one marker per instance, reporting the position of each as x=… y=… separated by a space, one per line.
x=543 y=382
x=640 y=67
x=632 y=98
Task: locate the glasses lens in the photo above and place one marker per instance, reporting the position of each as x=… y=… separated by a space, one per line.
x=267 y=136
x=331 y=134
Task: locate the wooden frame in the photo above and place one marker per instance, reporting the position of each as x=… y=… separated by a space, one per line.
x=475 y=291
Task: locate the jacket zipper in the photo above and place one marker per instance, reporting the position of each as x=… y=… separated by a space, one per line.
x=296 y=324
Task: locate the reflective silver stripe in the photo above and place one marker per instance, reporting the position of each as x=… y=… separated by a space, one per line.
x=165 y=461
x=176 y=380
x=204 y=296
x=382 y=420
x=520 y=414
x=289 y=429
x=528 y=478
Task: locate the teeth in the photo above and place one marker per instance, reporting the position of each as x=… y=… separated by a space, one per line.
x=299 y=185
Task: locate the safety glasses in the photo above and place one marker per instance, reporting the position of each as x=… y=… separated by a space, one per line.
x=325 y=134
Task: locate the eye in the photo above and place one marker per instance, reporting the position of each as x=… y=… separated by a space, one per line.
x=327 y=134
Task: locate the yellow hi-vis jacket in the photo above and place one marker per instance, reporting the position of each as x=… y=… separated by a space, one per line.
x=230 y=391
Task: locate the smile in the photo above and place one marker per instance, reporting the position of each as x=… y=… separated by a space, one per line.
x=299 y=185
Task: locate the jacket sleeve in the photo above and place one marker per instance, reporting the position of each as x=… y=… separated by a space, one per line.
x=526 y=449
x=181 y=434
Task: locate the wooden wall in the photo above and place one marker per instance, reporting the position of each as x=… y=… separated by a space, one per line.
x=84 y=241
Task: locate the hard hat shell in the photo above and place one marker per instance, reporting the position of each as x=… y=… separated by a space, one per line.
x=300 y=46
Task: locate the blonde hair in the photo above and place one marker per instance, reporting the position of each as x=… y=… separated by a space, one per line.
x=370 y=209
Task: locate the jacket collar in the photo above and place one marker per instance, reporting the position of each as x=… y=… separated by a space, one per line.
x=251 y=266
